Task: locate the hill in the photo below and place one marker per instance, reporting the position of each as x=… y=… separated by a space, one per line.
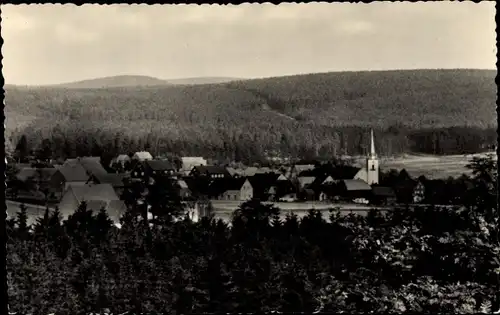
x=307 y=112
x=123 y=81
x=113 y=81
x=202 y=80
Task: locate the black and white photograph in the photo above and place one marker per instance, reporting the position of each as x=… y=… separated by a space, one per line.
x=254 y=158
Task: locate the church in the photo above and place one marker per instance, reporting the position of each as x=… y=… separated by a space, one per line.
x=370 y=172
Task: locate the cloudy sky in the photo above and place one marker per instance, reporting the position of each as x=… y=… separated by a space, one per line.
x=46 y=44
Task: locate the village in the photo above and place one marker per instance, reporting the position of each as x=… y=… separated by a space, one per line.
x=297 y=186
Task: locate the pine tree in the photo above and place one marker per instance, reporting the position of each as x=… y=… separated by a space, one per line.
x=22 y=149
x=22 y=230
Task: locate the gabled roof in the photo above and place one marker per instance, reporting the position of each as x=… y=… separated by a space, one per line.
x=142 y=156
x=196 y=160
x=115 y=180
x=93 y=167
x=222 y=185
x=43 y=174
x=101 y=192
x=159 y=165
x=355 y=184
x=282 y=177
x=249 y=171
x=74 y=172
x=305 y=180
x=232 y=171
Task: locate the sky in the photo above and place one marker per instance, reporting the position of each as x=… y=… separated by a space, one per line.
x=50 y=44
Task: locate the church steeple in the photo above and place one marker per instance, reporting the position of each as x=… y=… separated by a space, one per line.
x=372 y=146
x=372 y=163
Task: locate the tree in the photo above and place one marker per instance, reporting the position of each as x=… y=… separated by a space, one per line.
x=22 y=149
x=44 y=152
x=14 y=185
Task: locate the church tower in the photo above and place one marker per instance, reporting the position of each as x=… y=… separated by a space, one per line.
x=372 y=167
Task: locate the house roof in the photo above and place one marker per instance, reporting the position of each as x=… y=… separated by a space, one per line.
x=93 y=166
x=143 y=155
x=83 y=158
x=356 y=184
x=101 y=192
x=211 y=169
x=264 y=170
x=43 y=174
x=383 y=191
x=193 y=160
x=122 y=158
x=249 y=171
x=222 y=185
x=232 y=171
x=305 y=180
x=159 y=165
x=182 y=184
x=116 y=180
x=304 y=167
x=74 y=172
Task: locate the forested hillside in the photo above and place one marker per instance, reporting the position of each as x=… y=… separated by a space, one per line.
x=304 y=115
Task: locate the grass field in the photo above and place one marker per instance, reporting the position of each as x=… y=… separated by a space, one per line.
x=224 y=209
x=428 y=165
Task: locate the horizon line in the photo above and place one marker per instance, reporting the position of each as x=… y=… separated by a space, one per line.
x=238 y=78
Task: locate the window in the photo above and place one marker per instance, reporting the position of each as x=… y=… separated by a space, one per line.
x=373 y=167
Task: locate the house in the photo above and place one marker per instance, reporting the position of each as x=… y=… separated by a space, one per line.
x=296 y=169
x=157 y=167
x=323 y=187
x=188 y=162
x=117 y=181
x=198 y=186
x=184 y=191
x=93 y=167
x=210 y=171
x=120 y=159
x=152 y=168
x=304 y=181
x=383 y=195
x=354 y=190
x=47 y=180
x=74 y=174
x=265 y=186
x=236 y=189
x=96 y=196
x=142 y=156
x=418 y=192
x=91 y=164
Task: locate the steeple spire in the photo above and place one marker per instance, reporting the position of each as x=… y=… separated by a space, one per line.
x=372 y=146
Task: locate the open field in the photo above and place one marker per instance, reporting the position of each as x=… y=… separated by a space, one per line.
x=224 y=209
x=429 y=165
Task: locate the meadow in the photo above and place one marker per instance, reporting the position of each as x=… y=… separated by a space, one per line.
x=431 y=166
